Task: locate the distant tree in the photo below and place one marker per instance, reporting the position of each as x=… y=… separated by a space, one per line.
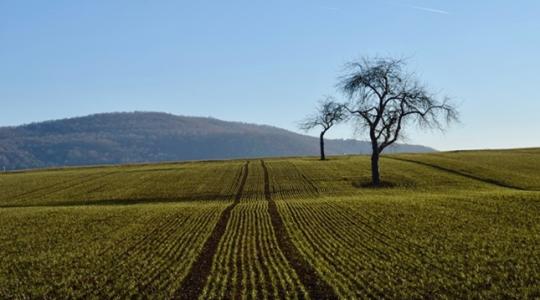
x=328 y=113
x=384 y=99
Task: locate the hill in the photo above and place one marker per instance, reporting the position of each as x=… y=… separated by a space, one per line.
x=115 y=138
x=453 y=225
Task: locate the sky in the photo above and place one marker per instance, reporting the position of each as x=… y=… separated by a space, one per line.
x=269 y=62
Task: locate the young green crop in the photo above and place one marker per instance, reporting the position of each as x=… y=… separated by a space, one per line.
x=120 y=185
x=518 y=168
x=100 y=251
x=445 y=226
x=250 y=263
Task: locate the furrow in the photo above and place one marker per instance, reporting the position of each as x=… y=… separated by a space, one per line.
x=310 y=278
x=193 y=284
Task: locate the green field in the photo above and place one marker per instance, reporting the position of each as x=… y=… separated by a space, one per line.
x=448 y=225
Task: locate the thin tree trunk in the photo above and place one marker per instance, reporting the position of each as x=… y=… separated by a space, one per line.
x=375 y=176
x=323 y=156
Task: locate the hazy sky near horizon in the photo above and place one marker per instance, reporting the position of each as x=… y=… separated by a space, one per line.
x=269 y=62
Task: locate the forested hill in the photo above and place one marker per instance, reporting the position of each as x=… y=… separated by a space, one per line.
x=153 y=137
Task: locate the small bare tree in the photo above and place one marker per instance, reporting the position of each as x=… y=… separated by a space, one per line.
x=328 y=114
x=384 y=98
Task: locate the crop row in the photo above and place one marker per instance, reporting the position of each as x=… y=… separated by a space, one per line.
x=411 y=244
x=412 y=241
x=248 y=262
x=286 y=181
x=349 y=176
x=402 y=250
x=516 y=168
x=102 y=252
x=115 y=185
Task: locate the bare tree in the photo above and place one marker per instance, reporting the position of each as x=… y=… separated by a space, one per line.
x=384 y=99
x=328 y=114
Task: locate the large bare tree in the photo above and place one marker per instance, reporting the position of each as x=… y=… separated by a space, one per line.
x=328 y=114
x=384 y=98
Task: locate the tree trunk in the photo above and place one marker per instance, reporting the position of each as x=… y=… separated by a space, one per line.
x=323 y=156
x=375 y=176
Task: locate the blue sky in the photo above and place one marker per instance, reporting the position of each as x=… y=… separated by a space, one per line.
x=269 y=61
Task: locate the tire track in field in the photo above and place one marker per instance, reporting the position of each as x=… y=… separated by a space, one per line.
x=316 y=287
x=320 y=247
x=194 y=282
x=463 y=174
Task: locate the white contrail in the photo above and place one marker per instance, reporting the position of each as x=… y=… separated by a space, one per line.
x=431 y=10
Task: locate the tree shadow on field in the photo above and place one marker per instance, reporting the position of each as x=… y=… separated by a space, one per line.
x=366 y=183
x=120 y=201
